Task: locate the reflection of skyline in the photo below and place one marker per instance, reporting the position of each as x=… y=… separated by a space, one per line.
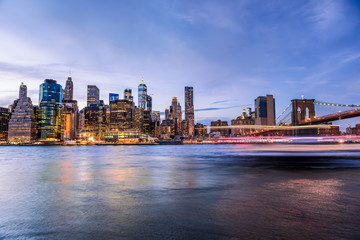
x=191 y=192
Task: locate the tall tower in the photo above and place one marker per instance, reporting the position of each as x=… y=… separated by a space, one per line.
x=23 y=91
x=22 y=121
x=50 y=99
x=189 y=109
x=69 y=89
x=93 y=95
x=142 y=89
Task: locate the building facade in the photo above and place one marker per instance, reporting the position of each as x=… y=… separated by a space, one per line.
x=113 y=97
x=142 y=93
x=4 y=123
x=22 y=124
x=265 y=110
x=50 y=99
x=122 y=115
x=69 y=90
x=189 y=110
x=128 y=95
x=93 y=95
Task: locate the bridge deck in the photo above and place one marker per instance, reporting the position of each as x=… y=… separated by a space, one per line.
x=332 y=117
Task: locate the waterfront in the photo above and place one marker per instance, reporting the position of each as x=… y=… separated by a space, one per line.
x=177 y=192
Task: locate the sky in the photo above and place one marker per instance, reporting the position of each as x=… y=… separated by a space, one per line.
x=230 y=51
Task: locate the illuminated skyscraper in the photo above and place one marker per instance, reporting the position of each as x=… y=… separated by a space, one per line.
x=127 y=94
x=189 y=109
x=167 y=114
x=93 y=95
x=69 y=89
x=95 y=121
x=149 y=104
x=142 y=90
x=113 y=97
x=121 y=115
x=4 y=123
x=22 y=121
x=50 y=99
x=69 y=119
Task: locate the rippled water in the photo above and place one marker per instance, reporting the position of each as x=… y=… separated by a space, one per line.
x=175 y=192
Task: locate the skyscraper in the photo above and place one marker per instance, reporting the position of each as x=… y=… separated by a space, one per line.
x=93 y=95
x=50 y=99
x=121 y=115
x=22 y=121
x=127 y=94
x=95 y=121
x=69 y=89
x=4 y=123
x=189 y=109
x=265 y=110
x=149 y=104
x=142 y=90
x=23 y=91
x=113 y=97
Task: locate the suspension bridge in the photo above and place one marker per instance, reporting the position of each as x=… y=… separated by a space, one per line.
x=302 y=112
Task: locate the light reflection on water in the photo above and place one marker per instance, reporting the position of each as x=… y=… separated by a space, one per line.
x=174 y=192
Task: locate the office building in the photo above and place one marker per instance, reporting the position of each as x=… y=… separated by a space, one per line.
x=122 y=114
x=265 y=110
x=139 y=119
x=113 y=97
x=200 y=130
x=128 y=95
x=69 y=89
x=167 y=114
x=155 y=116
x=4 y=123
x=93 y=95
x=142 y=93
x=69 y=120
x=148 y=103
x=222 y=128
x=95 y=122
x=22 y=124
x=189 y=110
x=50 y=99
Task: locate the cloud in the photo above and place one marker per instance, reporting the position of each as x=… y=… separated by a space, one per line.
x=351 y=58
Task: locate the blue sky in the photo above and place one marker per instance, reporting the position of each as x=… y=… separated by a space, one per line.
x=229 y=51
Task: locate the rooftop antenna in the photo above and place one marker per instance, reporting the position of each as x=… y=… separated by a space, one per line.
x=142 y=78
x=69 y=72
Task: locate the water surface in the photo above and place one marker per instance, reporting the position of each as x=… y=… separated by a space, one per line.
x=176 y=192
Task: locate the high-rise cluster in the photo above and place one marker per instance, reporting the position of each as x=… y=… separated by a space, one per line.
x=58 y=117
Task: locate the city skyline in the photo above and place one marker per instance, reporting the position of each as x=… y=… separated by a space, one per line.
x=239 y=49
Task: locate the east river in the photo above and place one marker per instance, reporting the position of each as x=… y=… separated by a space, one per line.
x=176 y=192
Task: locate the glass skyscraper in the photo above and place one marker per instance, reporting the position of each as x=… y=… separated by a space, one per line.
x=127 y=94
x=113 y=97
x=93 y=95
x=50 y=99
x=69 y=89
x=142 y=95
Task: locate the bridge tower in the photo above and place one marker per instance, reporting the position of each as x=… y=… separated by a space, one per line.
x=302 y=109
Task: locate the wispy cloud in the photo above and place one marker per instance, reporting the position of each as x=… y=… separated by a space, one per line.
x=351 y=58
